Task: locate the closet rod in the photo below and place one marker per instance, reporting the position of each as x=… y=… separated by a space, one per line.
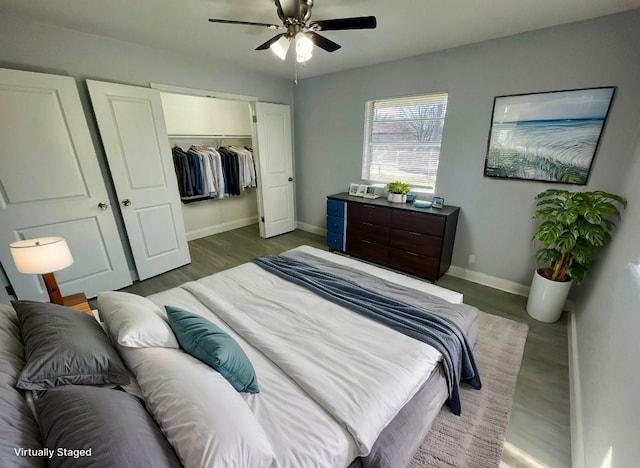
x=210 y=136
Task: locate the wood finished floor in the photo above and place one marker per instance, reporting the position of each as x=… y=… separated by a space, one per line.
x=539 y=425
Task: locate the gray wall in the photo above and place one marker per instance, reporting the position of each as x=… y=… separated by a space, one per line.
x=495 y=222
x=31 y=46
x=607 y=322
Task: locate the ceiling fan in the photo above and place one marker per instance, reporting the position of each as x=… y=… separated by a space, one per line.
x=295 y=16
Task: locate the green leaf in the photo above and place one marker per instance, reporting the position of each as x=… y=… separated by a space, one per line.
x=596 y=236
x=548 y=232
x=568 y=217
x=546 y=213
x=544 y=256
x=576 y=272
x=592 y=216
x=565 y=242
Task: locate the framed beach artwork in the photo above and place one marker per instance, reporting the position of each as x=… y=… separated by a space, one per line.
x=549 y=137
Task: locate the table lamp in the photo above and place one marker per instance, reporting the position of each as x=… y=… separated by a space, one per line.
x=43 y=256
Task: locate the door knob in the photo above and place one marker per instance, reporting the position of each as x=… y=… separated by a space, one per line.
x=126 y=202
x=103 y=206
x=290 y=179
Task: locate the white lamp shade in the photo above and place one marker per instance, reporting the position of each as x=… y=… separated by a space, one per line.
x=280 y=47
x=304 y=47
x=43 y=255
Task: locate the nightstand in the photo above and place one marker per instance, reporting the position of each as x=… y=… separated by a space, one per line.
x=78 y=302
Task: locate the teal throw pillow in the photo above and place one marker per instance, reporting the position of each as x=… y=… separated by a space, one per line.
x=208 y=343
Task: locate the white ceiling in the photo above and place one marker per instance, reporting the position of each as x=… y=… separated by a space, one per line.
x=405 y=27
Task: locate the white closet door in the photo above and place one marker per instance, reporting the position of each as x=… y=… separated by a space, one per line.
x=135 y=140
x=51 y=185
x=276 y=168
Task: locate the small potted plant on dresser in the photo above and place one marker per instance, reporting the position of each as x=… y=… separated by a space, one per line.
x=575 y=226
x=397 y=192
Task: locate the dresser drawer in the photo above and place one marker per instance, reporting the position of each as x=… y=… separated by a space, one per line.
x=335 y=241
x=410 y=241
x=369 y=213
x=418 y=222
x=335 y=208
x=367 y=231
x=335 y=224
x=414 y=263
x=366 y=249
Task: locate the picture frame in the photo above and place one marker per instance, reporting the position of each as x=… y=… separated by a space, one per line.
x=362 y=189
x=550 y=136
x=353 y=189
x=437 y=202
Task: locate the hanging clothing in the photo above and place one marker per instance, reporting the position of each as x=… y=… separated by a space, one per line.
x=231 y=169
x=207 y=172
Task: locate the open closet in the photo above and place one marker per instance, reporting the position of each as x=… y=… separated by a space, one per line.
x=211 y=119
x=206 y=122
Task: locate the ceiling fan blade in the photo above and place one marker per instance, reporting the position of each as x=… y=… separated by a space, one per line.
x=323 y=42
x=267 y=44
x=250 y=23
x=360 y=22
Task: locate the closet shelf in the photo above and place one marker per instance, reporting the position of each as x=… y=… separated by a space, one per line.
x=208 y=136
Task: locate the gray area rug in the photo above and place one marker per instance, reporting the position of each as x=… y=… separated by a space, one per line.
x=476 y=438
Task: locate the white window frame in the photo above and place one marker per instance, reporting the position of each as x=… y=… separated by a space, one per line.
x=395 y=172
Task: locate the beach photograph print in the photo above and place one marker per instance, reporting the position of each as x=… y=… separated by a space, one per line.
x=549 y=137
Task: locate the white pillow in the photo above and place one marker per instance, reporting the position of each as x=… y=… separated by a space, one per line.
x=134 y=321
x=206 y=421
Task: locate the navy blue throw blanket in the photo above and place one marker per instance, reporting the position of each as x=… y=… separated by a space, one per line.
x=442 y=334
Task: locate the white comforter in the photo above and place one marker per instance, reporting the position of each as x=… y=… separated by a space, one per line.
x=330 y=379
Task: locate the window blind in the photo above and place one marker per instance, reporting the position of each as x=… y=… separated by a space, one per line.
x=402 y=139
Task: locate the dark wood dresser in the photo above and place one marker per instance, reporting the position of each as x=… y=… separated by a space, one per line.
x=414 y=240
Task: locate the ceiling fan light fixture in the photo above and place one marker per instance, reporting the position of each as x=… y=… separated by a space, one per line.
x=280 y=47
x=303 y=58
x=304 y=47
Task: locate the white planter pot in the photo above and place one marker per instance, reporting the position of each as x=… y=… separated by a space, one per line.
x=396 y=198
x=547 y=298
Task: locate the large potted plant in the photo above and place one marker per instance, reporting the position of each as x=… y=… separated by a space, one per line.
x=575 y=225
x=397 y=191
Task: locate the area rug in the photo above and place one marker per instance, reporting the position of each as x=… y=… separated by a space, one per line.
x=476 y=438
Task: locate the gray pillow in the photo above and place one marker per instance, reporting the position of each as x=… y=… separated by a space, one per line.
x=63 y=346
x=18 y=428
x=102 y=427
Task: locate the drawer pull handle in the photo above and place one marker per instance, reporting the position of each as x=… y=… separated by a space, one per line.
x=366 y=241
x=366 y=224
x=414 y=233
x=370 y=206
x=414 y=254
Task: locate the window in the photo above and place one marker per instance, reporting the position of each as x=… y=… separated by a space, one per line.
x=402 y=139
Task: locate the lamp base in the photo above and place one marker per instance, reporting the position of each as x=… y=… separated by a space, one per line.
x=55 y=296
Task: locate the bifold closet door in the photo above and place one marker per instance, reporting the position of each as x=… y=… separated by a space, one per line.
x=51 y=185
x=275 y=162
x=135 y=140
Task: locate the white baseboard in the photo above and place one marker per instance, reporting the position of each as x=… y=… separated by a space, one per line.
x=575 y=397
x=218 y=228
x=488 y=280
x=311 y=228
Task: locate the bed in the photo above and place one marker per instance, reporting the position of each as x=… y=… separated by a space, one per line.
x=337 y=389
